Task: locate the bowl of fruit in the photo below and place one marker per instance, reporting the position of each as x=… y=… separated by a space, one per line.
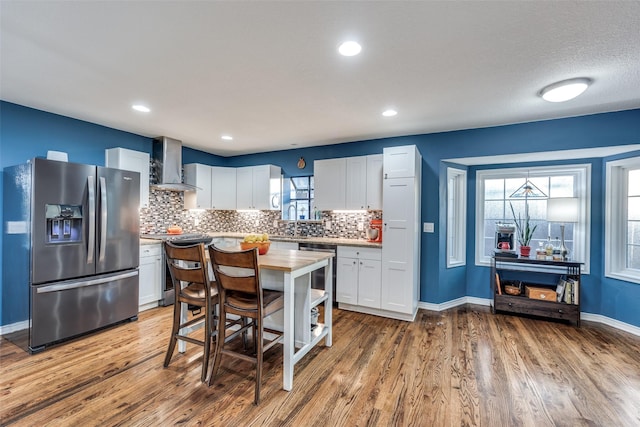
x=260 y=241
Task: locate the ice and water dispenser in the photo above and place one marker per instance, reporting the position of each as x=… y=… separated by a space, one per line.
x=64 y=223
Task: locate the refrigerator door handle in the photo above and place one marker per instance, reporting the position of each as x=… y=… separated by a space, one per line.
x=74 y=284
x=103 y=218
x=91 y=247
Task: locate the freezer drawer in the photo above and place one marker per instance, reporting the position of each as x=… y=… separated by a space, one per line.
x=66 y=309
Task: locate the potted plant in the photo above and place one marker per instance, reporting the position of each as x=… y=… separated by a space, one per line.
x=524 y=231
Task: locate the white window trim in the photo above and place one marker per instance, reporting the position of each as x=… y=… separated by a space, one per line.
x=615 y=214
x=583 y=191
x=456 y=256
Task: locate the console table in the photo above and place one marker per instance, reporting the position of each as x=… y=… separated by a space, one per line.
x=542 y=274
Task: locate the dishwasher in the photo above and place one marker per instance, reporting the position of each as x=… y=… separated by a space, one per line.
x=317 y=276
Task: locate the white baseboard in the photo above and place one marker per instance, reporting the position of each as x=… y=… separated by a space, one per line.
x=486 y=301
x=14 y=327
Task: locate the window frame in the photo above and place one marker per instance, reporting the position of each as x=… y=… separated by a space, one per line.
x=615 y=234
x=582 y=172
x=456 y=242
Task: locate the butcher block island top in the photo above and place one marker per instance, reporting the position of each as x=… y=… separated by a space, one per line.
x=290 y=260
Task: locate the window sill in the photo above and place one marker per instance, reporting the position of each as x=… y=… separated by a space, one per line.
x=624 y=276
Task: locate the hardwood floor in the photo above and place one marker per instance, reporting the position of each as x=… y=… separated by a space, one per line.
x=461 y=367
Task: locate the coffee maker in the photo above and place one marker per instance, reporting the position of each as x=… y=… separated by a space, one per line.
x=505 y=239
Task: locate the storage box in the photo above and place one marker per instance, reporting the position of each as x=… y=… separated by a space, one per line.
x=540 y=293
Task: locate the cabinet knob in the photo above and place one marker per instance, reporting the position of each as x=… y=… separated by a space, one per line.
x=510 y=304
x=560 y=311
x=354 y=263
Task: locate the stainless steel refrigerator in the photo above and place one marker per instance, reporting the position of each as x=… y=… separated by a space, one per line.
x=72 y=241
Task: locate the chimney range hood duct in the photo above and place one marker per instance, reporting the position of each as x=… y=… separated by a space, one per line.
x=167 y=159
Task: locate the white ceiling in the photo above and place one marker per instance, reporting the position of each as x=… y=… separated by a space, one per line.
x=268 y=73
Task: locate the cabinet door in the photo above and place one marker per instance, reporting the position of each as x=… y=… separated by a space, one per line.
x=329 y=180
x=130 y=160
x=150 y=274
x=398 y=249
x=400 y=162
x=369 y=283
x=223 y=188
x=347 y=280
x=200 y=176
x=356 y=183
x=266 y=185
x=374 y=181
x=244 y=188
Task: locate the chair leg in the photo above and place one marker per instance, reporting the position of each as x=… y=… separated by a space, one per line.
x=174 y=333
x=206 y=341
x=217 y=353
x=258 y=340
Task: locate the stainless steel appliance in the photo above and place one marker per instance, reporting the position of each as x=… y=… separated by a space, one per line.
x=73 y=238
x=168 y=293
x=317 y=276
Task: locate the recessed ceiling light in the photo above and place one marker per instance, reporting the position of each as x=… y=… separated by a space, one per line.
x=565 y=90
x=227 y=137
x=349 y=48
x=141 y=108
x=389 y=113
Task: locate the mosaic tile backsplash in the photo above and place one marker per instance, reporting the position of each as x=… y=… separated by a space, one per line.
x=166 y=208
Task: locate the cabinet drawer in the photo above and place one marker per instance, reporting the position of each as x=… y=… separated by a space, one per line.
x=534 y=307
x=360 y=252
x=150 y=250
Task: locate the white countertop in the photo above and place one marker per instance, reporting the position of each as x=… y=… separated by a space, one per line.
x=310 y=239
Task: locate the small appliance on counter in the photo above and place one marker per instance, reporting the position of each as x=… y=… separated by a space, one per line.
x=505 y=244
x=374 y=232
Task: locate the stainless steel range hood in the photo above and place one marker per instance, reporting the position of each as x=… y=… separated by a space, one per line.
x=167 y=157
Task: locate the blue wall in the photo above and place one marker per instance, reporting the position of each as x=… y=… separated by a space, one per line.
x=32 y=132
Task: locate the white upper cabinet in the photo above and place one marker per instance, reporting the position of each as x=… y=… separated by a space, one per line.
x=223 y=188
x=349 y=183
x=257 y=187
x=374 y=181
x=200 y=176
x=401 y=162
x=329 y=180
x=130 y=160
x=356 y=183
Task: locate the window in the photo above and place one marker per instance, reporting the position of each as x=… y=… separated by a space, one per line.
x=622 y=230
x=456 y=216
x=297 y=198
x=493 y=205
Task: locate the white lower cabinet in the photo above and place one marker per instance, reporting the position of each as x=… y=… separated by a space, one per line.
x=358 y=276
x=150 y=276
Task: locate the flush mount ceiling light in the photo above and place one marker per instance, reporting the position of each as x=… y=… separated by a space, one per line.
x=565 y=90
x=389 y=113
x=227 y=137
x=141 y=108
x=349 y=48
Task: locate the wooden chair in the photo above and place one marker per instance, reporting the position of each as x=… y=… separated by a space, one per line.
x=189 y=264
x=241 y=294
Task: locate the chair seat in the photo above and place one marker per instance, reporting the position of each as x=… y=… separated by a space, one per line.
x=272 y=301
x=196 y=290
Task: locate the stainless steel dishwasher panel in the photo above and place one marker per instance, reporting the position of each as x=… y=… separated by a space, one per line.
x=317 y=276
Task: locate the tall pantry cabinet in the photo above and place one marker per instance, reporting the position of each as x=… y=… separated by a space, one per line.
x=402 y=177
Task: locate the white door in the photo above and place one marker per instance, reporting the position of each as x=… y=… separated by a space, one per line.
x=329 y=180
x=374 y=181
x=397 y=249
x=223 y=188
x=400 y=162
x=356 y=183
x=369 y=283
x=347 y=280
x=244 y=188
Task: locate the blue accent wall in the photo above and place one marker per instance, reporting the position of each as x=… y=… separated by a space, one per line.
x=26 y=133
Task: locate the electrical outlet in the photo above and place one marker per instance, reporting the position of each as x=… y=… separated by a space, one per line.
x=327 y=225
x=275 y=223
x=360 y=226
x=428 y=227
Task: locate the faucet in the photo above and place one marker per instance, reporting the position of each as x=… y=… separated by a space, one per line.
x=295 y=219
